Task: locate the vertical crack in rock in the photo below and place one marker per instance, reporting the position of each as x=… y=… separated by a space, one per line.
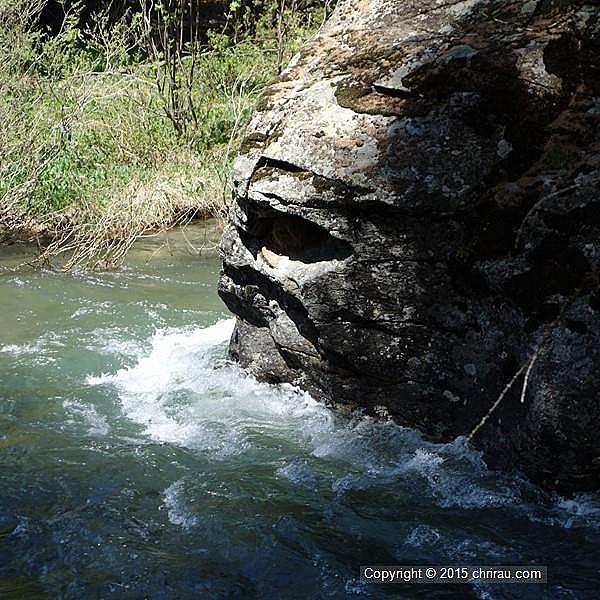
x=416 y=211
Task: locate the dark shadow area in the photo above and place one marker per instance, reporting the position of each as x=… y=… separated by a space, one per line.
x=255 y=282
x=286 y=235
x=199 y=16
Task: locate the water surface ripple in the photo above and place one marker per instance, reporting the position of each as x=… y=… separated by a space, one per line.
x=137 y=462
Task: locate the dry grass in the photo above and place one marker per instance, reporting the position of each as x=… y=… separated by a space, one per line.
x=90 y=159
x=99 y=237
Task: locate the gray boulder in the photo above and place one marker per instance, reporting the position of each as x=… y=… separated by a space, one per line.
x=416 y=223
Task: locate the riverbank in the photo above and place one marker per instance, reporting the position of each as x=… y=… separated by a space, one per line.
x=108 y=136
x=198 y=239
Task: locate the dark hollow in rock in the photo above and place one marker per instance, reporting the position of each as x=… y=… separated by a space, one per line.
x=287 y=235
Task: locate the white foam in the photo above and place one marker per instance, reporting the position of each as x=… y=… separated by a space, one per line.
x=182 y=392
x=298 y=473
x=174 y=501
x=21 y=349
x=581 y=510
x=41 y=349
x=167 y=364
x=95 y=308
x=18 y=281
x=423 y=535
x=110 y=342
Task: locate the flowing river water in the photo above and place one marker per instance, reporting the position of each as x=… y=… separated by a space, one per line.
x=137 y=462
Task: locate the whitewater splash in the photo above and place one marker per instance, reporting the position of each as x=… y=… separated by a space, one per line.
x=96 y=424
x=184 y=392
x=173 y=499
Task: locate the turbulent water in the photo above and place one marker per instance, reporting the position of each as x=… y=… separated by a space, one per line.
x=137 y=462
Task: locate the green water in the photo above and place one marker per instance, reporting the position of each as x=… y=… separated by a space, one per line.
x=137 y=462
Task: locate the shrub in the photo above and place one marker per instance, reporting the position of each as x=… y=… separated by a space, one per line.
x=99 y=120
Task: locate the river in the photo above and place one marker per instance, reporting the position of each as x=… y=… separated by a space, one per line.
x=137 y=462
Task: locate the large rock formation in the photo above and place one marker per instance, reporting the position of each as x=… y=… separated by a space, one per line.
x=416 y=219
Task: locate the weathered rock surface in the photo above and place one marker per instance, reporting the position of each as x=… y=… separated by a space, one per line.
x=417 y=215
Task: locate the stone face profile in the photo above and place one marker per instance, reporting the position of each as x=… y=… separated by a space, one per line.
x=416 y=220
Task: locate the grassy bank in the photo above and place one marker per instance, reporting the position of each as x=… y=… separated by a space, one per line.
x=119 y=129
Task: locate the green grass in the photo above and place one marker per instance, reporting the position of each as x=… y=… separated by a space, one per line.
x=86 y=132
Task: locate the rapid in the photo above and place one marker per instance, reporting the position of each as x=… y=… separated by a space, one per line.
x=137 y=461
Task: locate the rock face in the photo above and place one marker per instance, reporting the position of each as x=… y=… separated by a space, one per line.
x=416 y=220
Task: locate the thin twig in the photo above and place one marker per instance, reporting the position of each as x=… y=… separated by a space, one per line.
x=494 y=406
x=528 y=373
x=527 y=366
